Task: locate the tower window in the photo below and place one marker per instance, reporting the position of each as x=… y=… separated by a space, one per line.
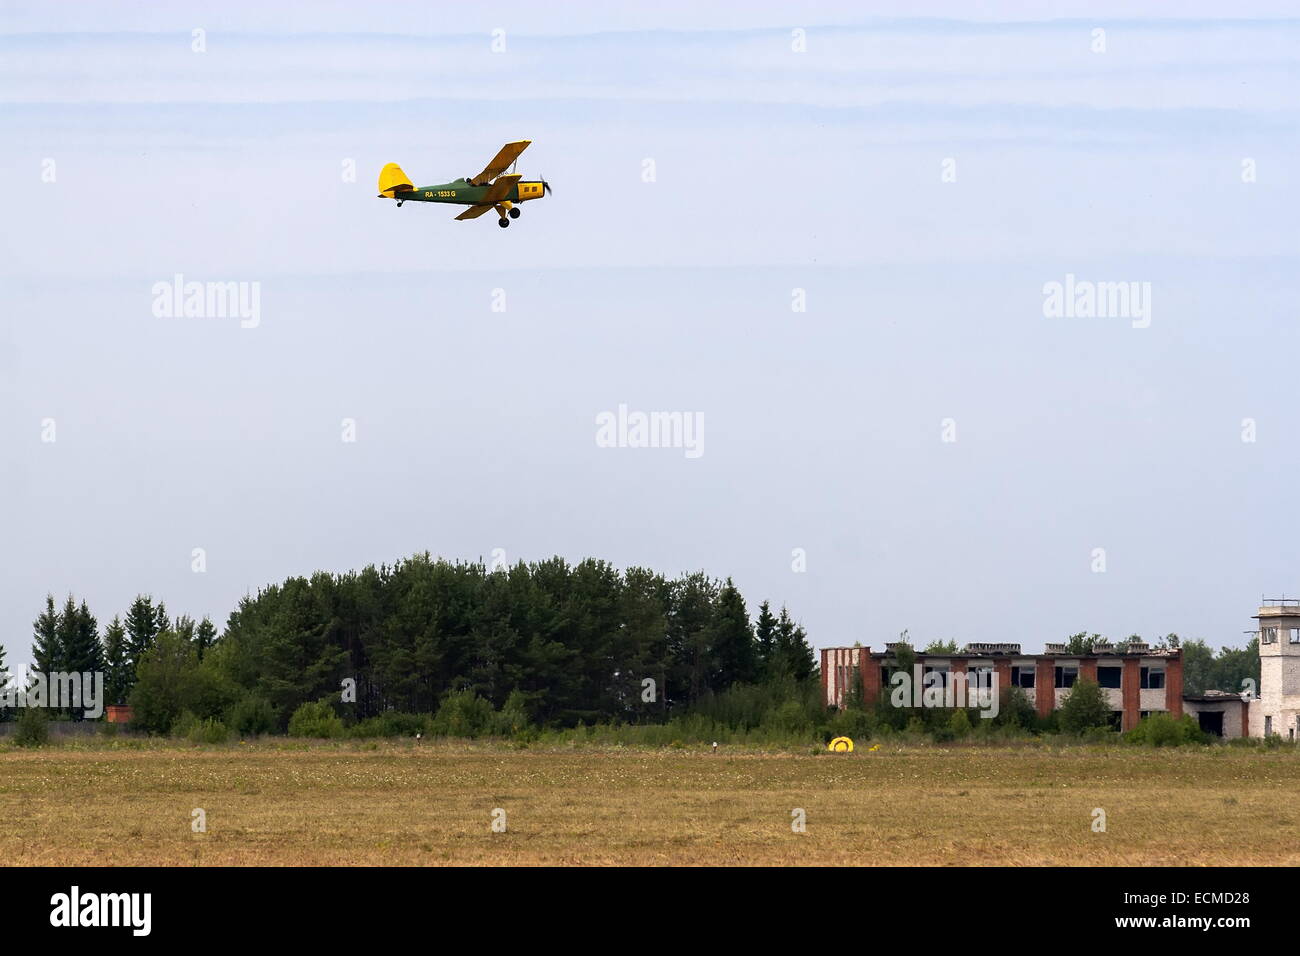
x=1295 y=635
x=1268 y=635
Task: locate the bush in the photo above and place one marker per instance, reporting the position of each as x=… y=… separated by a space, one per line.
x=1085 y=708
x=315 y=719
x=33 y=728
x=208 y=731
x=852 y=723
x=183 y=724
x=513 y=719
x=1166 y=730
x=463 y=713
x=252 y=715
x=391 y=723
x=1014 y=709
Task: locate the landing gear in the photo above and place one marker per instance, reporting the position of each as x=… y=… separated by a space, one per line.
x=399 y=203
x=503 y=222
x=514 y=212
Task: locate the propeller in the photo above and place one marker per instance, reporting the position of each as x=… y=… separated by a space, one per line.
x=546 y=187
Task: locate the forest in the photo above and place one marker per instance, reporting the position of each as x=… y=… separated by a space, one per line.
x=564 y=644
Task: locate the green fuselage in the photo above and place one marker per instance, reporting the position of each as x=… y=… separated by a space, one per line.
x=466 y=193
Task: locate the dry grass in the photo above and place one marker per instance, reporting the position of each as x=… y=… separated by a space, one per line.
x=431 y=803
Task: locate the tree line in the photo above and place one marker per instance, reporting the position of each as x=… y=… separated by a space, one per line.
x=583 y=643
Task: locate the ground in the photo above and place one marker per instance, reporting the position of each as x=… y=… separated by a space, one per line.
x=413 y=803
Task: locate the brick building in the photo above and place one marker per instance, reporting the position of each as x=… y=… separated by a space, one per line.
x=1138 y=680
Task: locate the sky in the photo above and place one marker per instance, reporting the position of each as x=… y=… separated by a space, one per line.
x=825 y=234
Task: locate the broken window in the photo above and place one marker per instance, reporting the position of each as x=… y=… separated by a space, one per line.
x=1022 y=677
x=1109 y=676
x=1066 y=676
x=1153 y=678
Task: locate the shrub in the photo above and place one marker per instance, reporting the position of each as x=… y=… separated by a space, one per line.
x=184 y=722
x=391 y=723
x=252 y=715
x=1085 y=708
x=1014 y=709
x=33 y=728
x=209 y=731
x=463 y=713
x=315 y=719
x=513 y=720
x=1166 y=730
x=959 y=724
x=852 y=723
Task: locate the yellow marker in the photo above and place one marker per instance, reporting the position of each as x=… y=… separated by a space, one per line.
x=873 y=748
x=840 y=745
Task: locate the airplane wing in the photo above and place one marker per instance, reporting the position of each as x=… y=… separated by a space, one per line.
x=501 y=162
x=503 y=185
x=473 y=212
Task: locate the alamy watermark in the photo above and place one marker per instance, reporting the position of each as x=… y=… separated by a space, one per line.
x=630 y=429
x=974 y=688
x=59 y=690
x=1085 y=299
x=179 y=299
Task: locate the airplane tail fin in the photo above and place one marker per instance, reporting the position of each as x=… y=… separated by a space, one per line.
x=393 y=181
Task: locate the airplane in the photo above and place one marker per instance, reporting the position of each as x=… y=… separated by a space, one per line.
x=488 y=190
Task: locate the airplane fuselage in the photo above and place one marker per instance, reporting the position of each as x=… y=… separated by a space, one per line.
x=466 y=193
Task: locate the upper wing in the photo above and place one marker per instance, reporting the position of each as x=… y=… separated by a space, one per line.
x=503 y=185
x=501 y=162
x=473 y=212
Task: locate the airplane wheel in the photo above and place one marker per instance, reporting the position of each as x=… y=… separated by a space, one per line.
x=503 y=222
x=514 y=212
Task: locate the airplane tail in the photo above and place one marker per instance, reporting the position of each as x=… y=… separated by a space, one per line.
x=393 y=181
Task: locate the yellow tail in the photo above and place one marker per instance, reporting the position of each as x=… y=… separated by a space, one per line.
x=393 y=181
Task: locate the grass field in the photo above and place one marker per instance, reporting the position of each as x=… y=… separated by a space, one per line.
x=409 y=803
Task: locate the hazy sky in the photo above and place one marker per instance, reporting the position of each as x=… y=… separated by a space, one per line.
x=918 y=174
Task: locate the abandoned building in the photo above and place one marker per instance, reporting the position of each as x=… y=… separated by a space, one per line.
x=1138 y=680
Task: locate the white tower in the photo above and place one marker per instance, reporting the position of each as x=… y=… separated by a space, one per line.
x=1279 y=664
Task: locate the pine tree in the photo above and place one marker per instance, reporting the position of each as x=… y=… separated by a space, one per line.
x=117 y=677
x=732 y=640
x=205 y=636
x=183 y=627
x=794 y=655
x=47 y=651
x=142 y=628
x=765 y=638
x=79 y=639
x=82 y=651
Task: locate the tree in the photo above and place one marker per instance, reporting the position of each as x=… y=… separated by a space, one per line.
x=941 y=647
x=765 y=638
x=164 y=675
x=1086 y=707
x=205 y=635
x=142 y=629
x=1082 y=643
x=794 y=656
x=732 y=641
x=1198 y=667
x=82 y=651
x=47 y=650
x=1235 y=665
x=117 y=669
